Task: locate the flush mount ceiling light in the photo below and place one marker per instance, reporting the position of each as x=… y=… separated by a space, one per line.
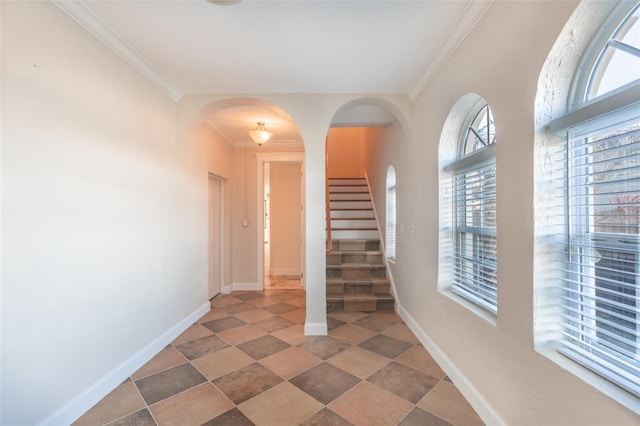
x=260 y=135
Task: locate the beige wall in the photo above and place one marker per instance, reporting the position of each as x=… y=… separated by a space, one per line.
x=345 y=148
x=104 y=217
x=285 y=218
x=494 y=362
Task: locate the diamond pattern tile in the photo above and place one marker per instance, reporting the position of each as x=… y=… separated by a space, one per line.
x=244 y=384
x=325 y=382
x=263 y=347
x=385 y=346
x=247 y=362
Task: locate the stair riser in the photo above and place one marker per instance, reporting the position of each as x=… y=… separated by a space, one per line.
x=349 y=197
x=339 y=289
x=347 y=182
x=342 y=306
x=335 y=289
x=349 y=273
x=355 y=214
x=363 y=274
x=350 y=205
x=353 y=234
x=350 y=258
x=360 y=306
x=355 y=245
x=342 y=188
x=354 y=223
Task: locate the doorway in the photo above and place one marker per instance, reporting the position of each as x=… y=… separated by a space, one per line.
x=281 y=220
x=216 y=234
x=282 y=225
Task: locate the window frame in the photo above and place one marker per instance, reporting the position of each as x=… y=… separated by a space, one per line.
x=391 y=217
x=581 y=302
x=473 y=277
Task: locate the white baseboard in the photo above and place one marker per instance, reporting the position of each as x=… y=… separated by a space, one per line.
x=315 y=328
x=482 y=407
x=87 y=399
x=245 y=287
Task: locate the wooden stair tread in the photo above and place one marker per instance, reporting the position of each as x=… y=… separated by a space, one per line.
x=358 y=254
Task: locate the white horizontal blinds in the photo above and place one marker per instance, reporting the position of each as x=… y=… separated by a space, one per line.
x=599 y=297
x=391 y=221
x=475 y=252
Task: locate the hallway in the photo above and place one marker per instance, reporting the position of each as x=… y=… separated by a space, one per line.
x=273 y=282
x=248 y=362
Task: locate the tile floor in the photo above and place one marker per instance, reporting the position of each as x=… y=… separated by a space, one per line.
x=247 y=362
x=282 y=281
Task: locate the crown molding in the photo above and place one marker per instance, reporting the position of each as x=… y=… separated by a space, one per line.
x=87 y=18
x=473 y=11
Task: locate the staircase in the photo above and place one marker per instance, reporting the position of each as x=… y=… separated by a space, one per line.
x=356 y=272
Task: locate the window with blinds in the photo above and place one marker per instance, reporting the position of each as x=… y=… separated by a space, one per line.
x=598 y=203
x=473 y=196
x=599 y=296
x=390 y=231
x=475 y=266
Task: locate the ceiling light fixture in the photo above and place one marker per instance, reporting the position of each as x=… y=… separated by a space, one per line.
x=260 y=135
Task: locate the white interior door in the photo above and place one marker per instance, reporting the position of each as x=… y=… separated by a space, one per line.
x=215 y=235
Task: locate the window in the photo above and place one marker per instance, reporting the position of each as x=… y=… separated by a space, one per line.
x=391 y=214
x=598 y=165
x=473 y=219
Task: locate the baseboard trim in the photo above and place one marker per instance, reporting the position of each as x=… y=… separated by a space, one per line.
x=245 y=287
x=87 y=399
x=315 y=328
x=482 y=407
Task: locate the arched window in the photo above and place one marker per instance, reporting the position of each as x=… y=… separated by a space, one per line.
x=470 y=182
x=390 y=229
x=597 y=205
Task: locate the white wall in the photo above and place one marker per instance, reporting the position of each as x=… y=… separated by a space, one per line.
x=494 y=363
x=312 y=114
x=104 y=217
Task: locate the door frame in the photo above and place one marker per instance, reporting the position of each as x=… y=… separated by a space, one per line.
x=221 y=231
x=278 y=157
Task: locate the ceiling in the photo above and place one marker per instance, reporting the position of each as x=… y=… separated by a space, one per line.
x=262 y=46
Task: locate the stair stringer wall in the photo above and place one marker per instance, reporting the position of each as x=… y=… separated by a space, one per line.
x=392 y=286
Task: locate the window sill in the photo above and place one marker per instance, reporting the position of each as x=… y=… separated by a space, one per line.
x=486 y=315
